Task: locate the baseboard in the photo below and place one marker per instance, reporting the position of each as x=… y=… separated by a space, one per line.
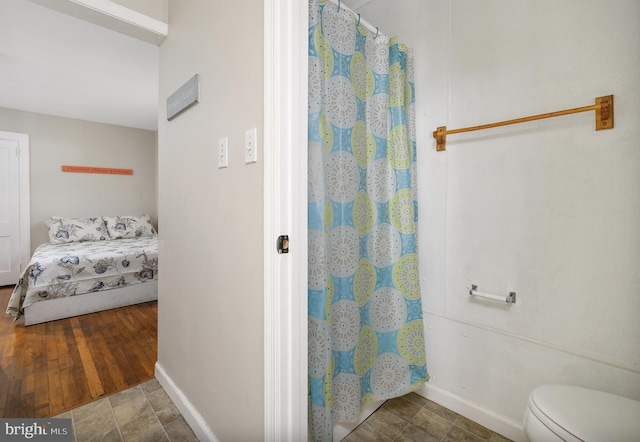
x=495 y=422
x=186 y=408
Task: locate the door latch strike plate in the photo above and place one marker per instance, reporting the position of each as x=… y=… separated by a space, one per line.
x=283 y=244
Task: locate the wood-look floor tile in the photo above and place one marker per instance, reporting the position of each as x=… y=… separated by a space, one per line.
x=132 y=408
x=457 y=434
x=416 y=399
x=159 y=399
x=366 y=433
x=411 y=433
x=495 y=437
x=180 y=431
x=150 y=386
x=168 y=414
x=127 y=396
x=402 y=407
x=441 y=411
x=473 y=427
x=431 y=423
x=386 y=422
x=144 y=426
x=94 y=419
x=111 y=436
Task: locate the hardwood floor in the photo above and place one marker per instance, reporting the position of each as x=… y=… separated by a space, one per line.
x=49 y=368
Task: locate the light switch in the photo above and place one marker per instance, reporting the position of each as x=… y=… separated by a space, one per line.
x=251 y=146
x=223 y=152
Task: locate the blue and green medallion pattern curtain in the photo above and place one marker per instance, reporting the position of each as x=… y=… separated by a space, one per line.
x=366 y=335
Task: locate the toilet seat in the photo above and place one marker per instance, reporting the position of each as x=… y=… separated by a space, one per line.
x=579 y=414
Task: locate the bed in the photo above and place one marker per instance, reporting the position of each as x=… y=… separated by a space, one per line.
x=91 y=266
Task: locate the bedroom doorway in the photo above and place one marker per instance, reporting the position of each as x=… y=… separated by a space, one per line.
x=15 y=236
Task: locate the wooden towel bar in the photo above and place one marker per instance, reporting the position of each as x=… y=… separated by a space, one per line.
x=604 y=120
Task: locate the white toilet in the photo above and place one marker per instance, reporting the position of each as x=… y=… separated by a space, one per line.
x=563 y=412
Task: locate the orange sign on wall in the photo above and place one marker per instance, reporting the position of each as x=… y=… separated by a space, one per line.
x=106 y=170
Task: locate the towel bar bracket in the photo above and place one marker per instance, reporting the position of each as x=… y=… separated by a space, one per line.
x=604 y=112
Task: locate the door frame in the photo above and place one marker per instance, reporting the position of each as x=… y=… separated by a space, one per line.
x=285 y=212
x=24 y=195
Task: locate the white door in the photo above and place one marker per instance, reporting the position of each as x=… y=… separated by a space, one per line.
x=14 y=206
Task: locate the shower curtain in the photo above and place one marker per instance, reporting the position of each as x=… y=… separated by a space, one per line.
x=366 y=335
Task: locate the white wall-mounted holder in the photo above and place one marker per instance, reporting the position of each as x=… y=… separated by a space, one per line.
x=509 y=299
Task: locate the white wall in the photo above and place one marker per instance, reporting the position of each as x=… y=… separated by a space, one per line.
x=548 y=209
x=210 y=339
x=56 y=141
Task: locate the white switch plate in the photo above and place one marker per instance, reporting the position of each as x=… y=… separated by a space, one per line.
x=223 y=152
x=251 y=146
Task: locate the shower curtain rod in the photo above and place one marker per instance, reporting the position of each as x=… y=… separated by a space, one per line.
x=357 y=16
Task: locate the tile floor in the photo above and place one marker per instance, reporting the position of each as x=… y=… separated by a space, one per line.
x=140 y=413
x=414 y=418
x=146 y=413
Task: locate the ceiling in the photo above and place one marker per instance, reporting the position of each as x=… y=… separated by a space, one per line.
x=56 y=64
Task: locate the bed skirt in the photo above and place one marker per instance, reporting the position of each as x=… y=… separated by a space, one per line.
x=90 y=302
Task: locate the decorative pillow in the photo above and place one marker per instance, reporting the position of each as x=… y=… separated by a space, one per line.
x=63 y=230
x=129 y=226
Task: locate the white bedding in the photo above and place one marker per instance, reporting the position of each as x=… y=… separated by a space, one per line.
x=78 y=268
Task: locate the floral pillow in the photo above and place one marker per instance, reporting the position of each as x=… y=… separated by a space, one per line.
x=64 y=230
x=129 y=226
